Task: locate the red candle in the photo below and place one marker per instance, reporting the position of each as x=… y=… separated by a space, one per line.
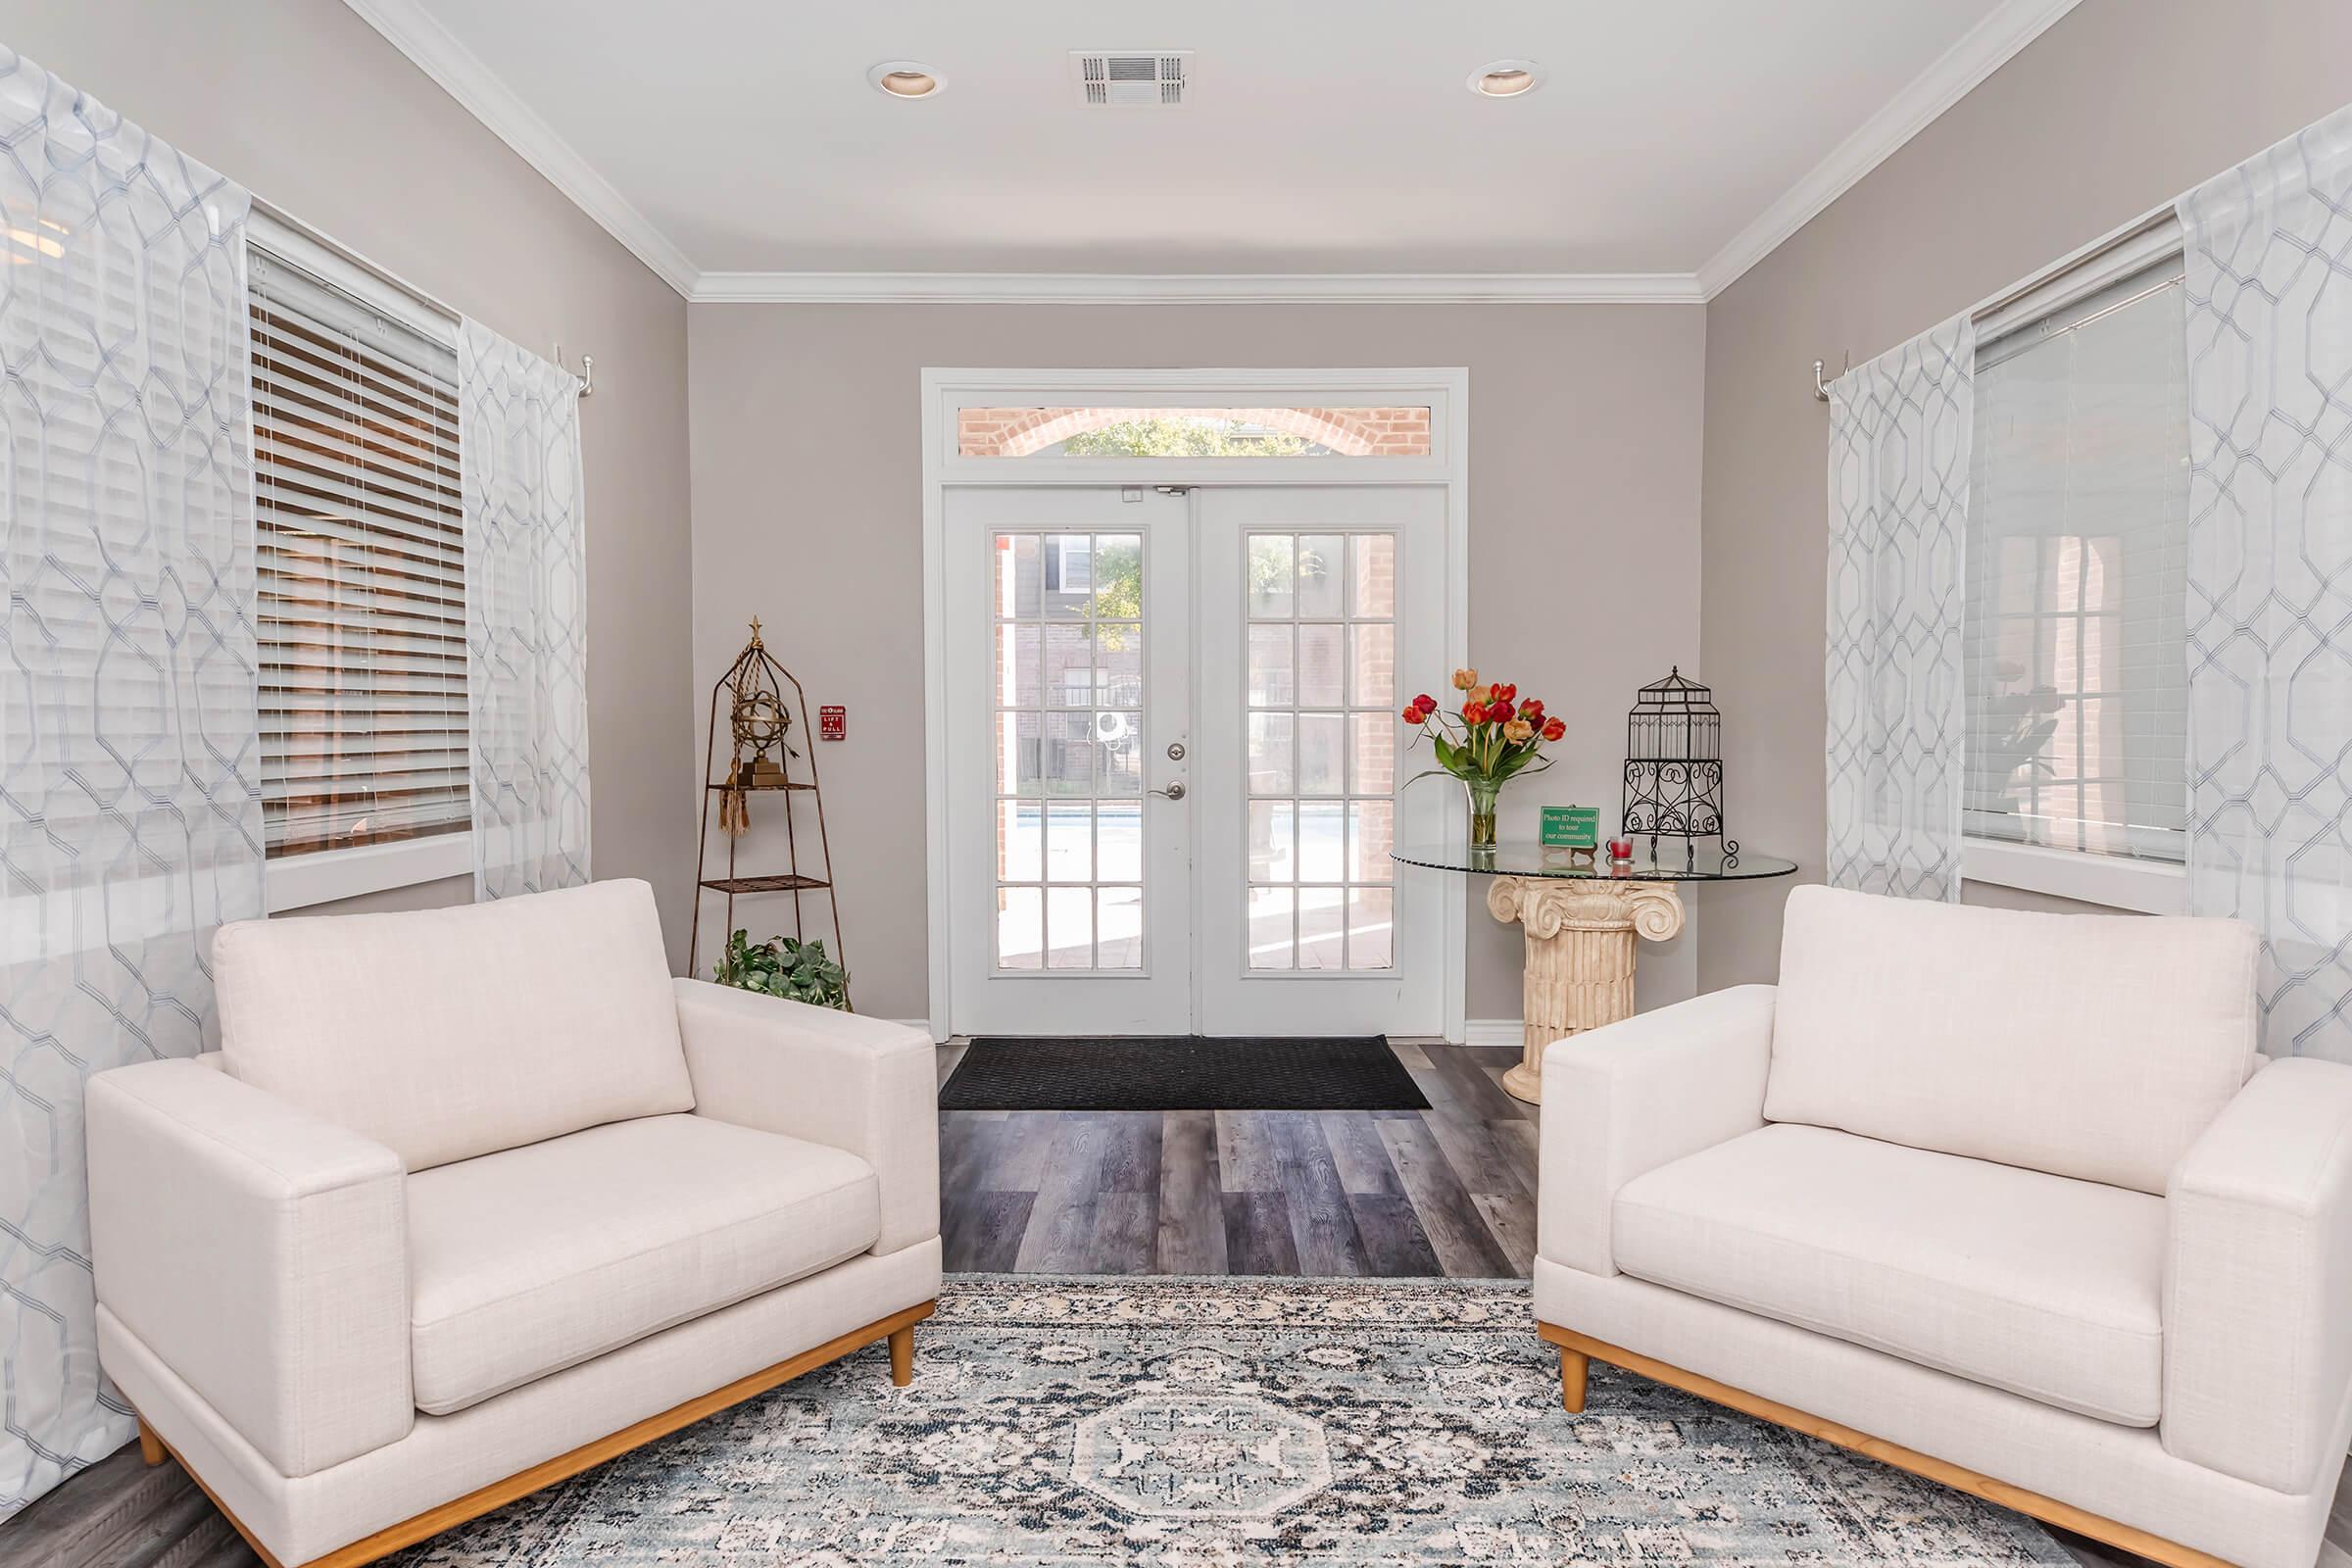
x=1621 y=851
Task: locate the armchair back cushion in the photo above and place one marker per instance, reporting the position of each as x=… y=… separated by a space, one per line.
x=2097 y=1047
x=449 y=1033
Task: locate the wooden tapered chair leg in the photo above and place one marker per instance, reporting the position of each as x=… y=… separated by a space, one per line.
x=151 y=1447
x=902 y=1355
x=1575 y=1367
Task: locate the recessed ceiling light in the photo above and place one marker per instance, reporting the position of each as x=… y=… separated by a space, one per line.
x=1507 y=78
x=906 y=79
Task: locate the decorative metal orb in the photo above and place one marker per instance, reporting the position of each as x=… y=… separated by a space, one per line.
x=760 y=720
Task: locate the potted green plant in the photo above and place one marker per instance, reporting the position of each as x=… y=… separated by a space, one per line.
x=780 y=966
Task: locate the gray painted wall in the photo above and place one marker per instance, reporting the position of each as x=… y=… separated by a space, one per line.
x=807 y=511
x=2122 y=105
x=307 y=105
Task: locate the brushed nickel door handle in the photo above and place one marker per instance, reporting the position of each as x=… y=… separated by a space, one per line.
x=1175 y=792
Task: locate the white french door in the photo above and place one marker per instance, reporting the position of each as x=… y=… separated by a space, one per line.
x=1174 y=760
x=1069 y=688
x=1323 y=611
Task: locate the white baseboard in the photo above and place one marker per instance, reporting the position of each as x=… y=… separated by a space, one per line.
x=1493 y=1032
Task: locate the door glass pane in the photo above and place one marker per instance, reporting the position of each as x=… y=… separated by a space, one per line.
x=1069 y=732
x=1322 y=576
x=1119 y=664
x=1371 y=834
x=1372 y=672
x=1322 y=927
x=1119 y=738
x=1018 y=654
x=1320 y=662
x=1067 y=759
x=1272 y=679
x=1016 y=577
x=1068 y=671
x=1119 y=841
x=1322 y=841
x=1119 y=928
x=1070 y=841
x=1270 y=942
x=1268 y=578
x=1370 y=912
x=1270 y=764
x=1321 y=742
x=1020 y=928
x=1372 y=754
x=1017 y=746
x=1322 y=753
x=1020 y=842
x=1118 y=576
x=1069 y=929
x=1273 y=842
x=1372 y=576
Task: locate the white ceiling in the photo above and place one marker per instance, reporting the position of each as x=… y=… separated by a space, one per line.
x=1672 y=143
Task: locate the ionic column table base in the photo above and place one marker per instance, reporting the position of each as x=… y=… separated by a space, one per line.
x=1581 y=942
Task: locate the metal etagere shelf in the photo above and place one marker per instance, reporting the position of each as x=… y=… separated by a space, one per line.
x=759 y=720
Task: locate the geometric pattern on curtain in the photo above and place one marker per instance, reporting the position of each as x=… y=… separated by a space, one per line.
x=526 y=609
x=130 y=808
x=2269 y=302
x=1901 y=431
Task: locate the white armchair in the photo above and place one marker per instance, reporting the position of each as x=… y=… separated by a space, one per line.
x=1999 y=1197
x=474 y=1199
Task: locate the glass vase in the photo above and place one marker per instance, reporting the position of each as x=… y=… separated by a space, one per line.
x=1481 y=793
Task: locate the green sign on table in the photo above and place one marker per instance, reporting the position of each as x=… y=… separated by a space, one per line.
x=1574 y=827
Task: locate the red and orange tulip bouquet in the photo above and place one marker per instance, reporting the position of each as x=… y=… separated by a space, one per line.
x=1495 y=736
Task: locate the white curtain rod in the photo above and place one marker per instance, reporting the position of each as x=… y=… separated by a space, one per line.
x=585 y=376
x=1992 y=305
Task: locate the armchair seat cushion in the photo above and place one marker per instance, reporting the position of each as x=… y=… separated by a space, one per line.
x=2043 y=1285
x=532 y=1259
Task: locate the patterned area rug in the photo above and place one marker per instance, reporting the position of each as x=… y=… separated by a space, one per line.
x=1197 y=1422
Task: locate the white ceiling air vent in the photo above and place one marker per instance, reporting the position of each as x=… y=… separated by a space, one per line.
x=1132 y=79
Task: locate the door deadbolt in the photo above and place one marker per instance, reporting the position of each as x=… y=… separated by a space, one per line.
x=1175 y=751
x=1175 y=792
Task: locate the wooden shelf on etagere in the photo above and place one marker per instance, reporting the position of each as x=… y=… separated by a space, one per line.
x=759 y=718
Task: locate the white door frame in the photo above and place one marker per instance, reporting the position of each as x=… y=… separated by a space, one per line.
x=1447 y=391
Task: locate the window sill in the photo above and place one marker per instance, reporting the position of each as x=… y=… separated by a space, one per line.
x=299 y=881
x=2149 y=887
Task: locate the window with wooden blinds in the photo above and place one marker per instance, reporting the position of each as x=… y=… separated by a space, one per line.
x=363 y=569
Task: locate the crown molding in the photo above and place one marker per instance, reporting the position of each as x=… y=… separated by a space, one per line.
x=460 y=74
x=1983 y=50
x=1198 y=289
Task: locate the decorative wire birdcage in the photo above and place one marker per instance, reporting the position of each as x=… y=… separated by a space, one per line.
x=1674 y=769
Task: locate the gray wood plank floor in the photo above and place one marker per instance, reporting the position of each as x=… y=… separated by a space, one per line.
x=1447 y=1190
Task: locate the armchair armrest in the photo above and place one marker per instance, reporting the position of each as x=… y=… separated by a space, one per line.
x=860 y=1084
x=259 y=1252
x=2258 y=1281
x=1635 y=1094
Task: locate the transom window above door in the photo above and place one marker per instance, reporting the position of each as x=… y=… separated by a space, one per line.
x=1287 y=431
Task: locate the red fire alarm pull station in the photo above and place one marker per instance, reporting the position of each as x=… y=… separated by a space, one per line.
x=832 y=723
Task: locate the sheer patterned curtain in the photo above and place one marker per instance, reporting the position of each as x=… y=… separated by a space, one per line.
x=1901 y=432
x=2269 y=572
x=131 y=807
x=526 y=609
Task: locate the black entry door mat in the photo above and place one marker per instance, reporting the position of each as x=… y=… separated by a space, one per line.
x=1180 y=1072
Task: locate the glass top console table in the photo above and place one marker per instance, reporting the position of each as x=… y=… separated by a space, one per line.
x=1583 y=923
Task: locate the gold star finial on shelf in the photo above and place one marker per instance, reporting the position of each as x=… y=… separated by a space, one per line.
x=755 y=629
